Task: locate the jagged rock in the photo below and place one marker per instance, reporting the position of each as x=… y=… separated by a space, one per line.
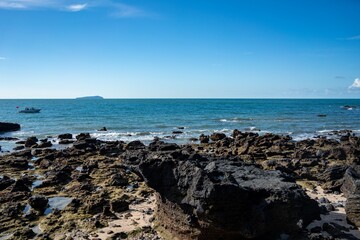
x=162 y=146
x=9 y=127
x=118 y=179
x=227 y=199
x=81 y=144
x=134 y=145
x=65 y=136
x=351 y=189
x=217 y=136
x=20 y=186
x=24 y=153
x=333 y=173
x=351 y=183
x=18 y=163
x=204 y=138
x=66 y=141
x=95 y=205
x=45 y=144
x=103 y=129
x=82 y=136
x=352 y=209
x=38 y=202
x=5 y=182
x=119 y=205
x=31 y=141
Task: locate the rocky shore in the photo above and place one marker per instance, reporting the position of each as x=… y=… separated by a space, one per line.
x=243 y=186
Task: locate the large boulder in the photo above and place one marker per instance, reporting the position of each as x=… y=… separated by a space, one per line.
x=351 y=189
x=224 y=199
x=9 y=127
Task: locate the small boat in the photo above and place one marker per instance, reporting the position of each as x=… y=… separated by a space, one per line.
x=30 y=110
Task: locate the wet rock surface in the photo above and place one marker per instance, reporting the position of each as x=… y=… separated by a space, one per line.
x=242 y=186
x=9 y=127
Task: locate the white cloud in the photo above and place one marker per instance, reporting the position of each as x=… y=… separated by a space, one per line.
x=12 y=5
x=76 y=7
x=120 y=10
x=355 y=85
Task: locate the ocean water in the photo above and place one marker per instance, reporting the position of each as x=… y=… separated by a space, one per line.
x=143 y=119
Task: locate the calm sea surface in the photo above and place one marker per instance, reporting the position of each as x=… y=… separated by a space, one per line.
x=142 y=119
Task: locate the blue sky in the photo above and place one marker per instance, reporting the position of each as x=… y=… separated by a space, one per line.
x=180 y=49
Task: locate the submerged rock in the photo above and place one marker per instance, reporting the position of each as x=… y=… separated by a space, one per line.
x=9 y=127
x=226 y=199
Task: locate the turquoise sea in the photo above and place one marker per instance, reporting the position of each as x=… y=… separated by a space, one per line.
x=143 y=119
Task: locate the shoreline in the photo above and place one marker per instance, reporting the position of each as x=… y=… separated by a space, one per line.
x=179 y=135
x=98 y=182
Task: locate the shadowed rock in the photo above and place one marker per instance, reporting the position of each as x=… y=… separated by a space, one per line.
x=351 y=189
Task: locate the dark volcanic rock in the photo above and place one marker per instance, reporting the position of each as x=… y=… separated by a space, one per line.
x=134 y=145
x=5 y=182
x=119 y=205
x=45 y=144
x=81 y=144
x=351 y=189
x=204 y=138
x=82 y=136
x=333 y=177
x=9 y=127
x=31 y=141
x=351 y=183
x=65 y=136
x=226 y=199
x=20 y=186
x=38 y=202
x=217 y=136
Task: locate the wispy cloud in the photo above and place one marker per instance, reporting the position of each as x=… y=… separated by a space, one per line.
x=116 y=8
x=356 y=37
x=355 y=85
x=77 y=7
x=126 y=11
x=2 y=58
x=11 y=5
x=340 y=77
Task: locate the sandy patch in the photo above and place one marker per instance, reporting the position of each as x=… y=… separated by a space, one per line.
x=336 y=218
x=138 y=216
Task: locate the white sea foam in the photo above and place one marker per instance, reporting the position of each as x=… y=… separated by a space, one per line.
x=303 y=136
x=235 y=120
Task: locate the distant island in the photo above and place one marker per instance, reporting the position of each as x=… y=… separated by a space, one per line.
x=90 y=97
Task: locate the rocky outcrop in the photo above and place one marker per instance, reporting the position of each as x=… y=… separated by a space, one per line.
x=65 y=136
x=9 y=127
x=226 y=199
x=217 y=136
x=31 y=142
x=351 y=189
